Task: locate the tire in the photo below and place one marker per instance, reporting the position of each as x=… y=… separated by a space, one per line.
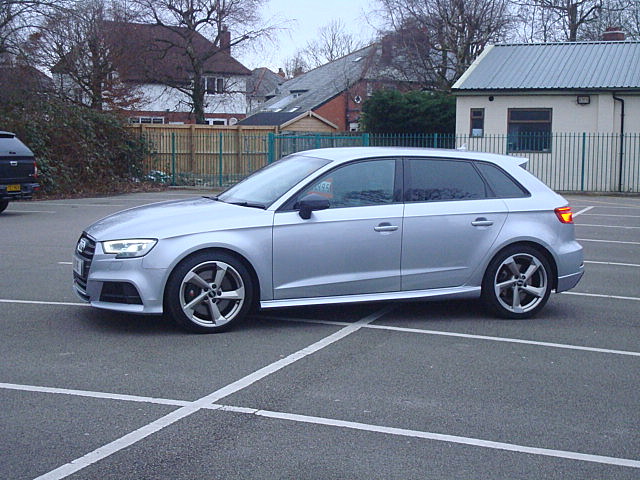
x=209 y=292
x=3 y=205
x=517 y=282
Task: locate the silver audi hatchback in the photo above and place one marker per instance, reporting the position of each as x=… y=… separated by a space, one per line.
x=339 y=225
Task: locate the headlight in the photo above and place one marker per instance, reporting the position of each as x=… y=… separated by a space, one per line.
x=131 y=248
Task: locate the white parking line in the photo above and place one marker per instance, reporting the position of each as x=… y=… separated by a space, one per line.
x=189 y=407
x=582 y=211
x=475 y=442
x=470 y=336
x=182 y=412
x=606 y=241
x=613 y=263
x=598 y=295
x=606 y=226
x=16 y=210
x=609 y=215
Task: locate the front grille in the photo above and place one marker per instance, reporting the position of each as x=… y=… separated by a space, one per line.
x=85 y=249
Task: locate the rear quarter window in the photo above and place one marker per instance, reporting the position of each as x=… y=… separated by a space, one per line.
x=502 y=185
x=429 y=180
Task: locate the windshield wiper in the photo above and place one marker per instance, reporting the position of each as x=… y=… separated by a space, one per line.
x=212 y=198
x=249 y=204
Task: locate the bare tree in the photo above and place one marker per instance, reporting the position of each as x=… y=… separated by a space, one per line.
x=333 y=42
x=296 y=65
x=77 y=43
x=442 y=37
x=189 y=21
x=559 y=20
x=18 y=18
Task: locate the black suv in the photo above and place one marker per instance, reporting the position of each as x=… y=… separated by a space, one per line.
x=18 y=171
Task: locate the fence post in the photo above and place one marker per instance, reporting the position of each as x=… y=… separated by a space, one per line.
x=435 y=140
x=271 y=140
x=173 y=158
x=584 y=156
x=220 y=159
x=366 y=140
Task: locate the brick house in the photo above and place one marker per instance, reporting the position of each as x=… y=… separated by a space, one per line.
x=149 y=60
x=336 y=91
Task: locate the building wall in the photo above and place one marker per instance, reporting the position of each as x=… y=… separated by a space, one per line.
x=601 y=115
x=334 y=111
x=309 y=124
x=158 y=98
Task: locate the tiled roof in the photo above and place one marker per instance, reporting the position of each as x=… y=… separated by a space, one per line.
x=269 y=118
x=312 y=89
x=152 y=53
x=555 y=66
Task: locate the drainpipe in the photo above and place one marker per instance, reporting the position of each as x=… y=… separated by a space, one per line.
x=621 y=100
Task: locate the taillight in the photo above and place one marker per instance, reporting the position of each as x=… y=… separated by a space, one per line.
x=564 y=214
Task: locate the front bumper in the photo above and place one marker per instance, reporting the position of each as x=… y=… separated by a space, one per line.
x=118 y=284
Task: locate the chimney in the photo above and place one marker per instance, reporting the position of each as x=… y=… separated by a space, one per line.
x=387 y=50
x=613 y=34
x=281 y=73
x=225 y=40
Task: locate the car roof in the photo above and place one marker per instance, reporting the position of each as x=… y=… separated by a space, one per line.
x=345 y=154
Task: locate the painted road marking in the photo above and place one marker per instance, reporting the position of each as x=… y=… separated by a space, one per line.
x=183 y=412
x=331 y=422
x=468 y=335
x=582 y=211
x=606 y=241
x=613 y=263
x=606 y=226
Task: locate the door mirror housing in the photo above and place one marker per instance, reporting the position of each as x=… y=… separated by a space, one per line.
x=310 y=203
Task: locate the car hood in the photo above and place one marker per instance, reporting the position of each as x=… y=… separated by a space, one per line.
x=176 y=218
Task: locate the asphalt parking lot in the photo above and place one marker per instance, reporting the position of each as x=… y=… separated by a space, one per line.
x=436 y=390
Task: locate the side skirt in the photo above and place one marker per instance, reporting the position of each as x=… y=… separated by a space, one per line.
x=454 y=292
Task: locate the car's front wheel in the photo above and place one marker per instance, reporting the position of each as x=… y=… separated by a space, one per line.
x=517 y=282
x=208 y=292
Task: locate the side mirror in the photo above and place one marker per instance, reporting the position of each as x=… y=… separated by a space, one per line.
x=311 y=202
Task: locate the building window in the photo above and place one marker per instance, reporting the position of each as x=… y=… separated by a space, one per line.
x=213 y=85
x=477 y=122
x=529 y=130
x=215 y=121
x=147 y=120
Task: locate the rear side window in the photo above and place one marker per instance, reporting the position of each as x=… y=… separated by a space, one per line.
x=503 y=185
x=428 y=180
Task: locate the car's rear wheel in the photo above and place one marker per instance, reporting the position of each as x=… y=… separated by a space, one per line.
x=3 y=205
x=517 y=282
x=209 y=292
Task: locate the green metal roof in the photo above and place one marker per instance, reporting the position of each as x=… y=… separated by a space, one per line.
x=555 y=66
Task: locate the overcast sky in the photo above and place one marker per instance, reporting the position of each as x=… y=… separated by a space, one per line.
x=306 y=17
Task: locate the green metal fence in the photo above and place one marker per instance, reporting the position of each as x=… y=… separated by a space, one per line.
x=579 y=162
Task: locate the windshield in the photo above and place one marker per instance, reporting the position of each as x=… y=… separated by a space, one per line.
x=271 y=182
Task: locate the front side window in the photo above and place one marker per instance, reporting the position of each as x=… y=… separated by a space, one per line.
x=357 y=184
x=428 y=180
x=529 y=130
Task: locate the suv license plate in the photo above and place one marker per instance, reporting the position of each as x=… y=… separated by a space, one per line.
x=13 y=188
x=78 y=266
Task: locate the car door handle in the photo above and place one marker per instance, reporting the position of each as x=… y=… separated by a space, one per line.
x=386 y=227
x=482 y=222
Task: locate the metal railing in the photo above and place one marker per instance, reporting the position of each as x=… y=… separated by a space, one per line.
x=576 y=162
